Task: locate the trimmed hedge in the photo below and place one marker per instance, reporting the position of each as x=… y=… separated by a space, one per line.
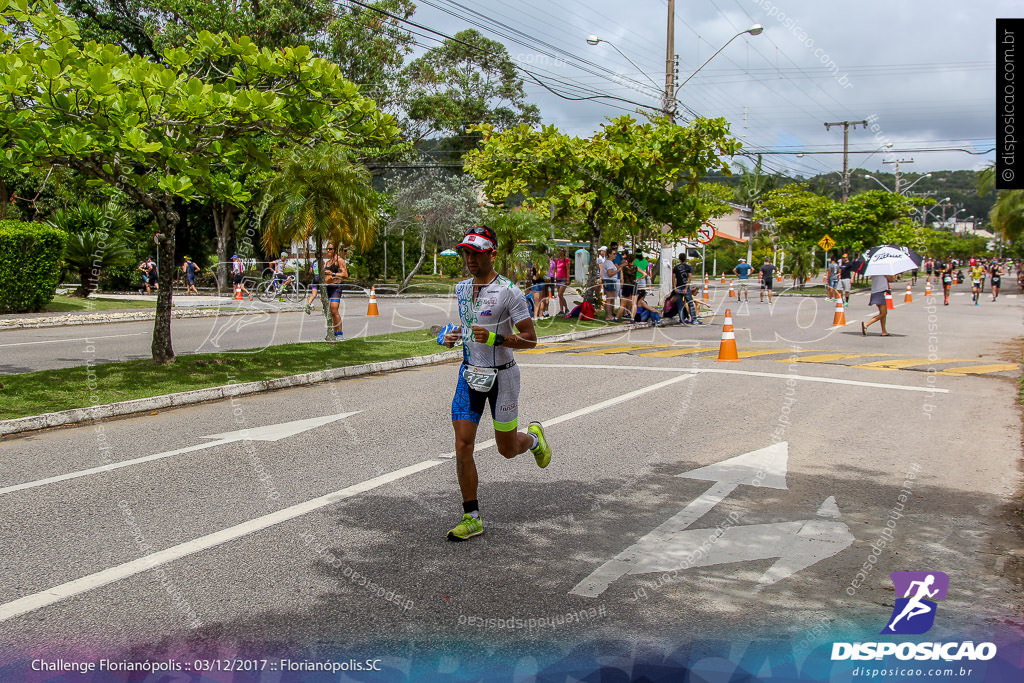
x=30 y=262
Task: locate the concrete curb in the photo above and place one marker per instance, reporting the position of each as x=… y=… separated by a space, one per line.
x=144 y=405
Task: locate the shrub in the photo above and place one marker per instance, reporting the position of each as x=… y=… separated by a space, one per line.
x=30 y=264
x=451 y=266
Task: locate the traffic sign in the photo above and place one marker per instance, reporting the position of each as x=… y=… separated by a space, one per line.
x=705 y=233
x=826 y=243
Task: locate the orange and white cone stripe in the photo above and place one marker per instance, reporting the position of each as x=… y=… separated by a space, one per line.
x=909 y=298
x=928 y=288
x=839 y=319
x=732 y=291
x=727 y=350
x=888 y=300
x=371 y=310
x=707 y=295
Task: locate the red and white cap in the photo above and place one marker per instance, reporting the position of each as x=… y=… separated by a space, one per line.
x=479 y=238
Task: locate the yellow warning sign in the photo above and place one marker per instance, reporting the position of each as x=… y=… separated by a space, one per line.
x=826 y=243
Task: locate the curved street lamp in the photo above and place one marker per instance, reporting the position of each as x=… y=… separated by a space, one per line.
x=754 y=30
x=594 y=40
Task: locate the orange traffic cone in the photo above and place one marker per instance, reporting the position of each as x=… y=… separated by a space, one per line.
x=778 y=278
x=888 y=300
x=723 y=278
x=909 y=298
x=928 y=288
x=839 y=319
x=372 y=309
x=707 y=280
x=727 y=350
x=732 y=291
x=707 y=296
x=238 y=292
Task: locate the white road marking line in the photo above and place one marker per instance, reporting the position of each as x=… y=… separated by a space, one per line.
x=58 y=341
x=50 y=596
x=776 y=375
x=582 y=411
x=53 y=595
x=272 y=432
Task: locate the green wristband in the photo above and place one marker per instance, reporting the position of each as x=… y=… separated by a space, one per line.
x=490 y=338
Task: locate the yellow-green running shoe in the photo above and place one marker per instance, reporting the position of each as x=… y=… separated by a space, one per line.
x=542 y=452
x=469 y=527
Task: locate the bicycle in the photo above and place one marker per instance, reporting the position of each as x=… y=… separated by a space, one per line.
x=288 y=290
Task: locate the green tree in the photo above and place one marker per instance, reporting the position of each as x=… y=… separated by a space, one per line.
x=629 y=173
x=518 y=230
x=434 y=204
x=466 y=81
x=320 y=195
x=96 y=241
x=159 y=133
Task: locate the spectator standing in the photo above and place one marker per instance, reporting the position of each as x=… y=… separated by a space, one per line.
x=642 y=271
x=767 y=278
x=742 y=271
x=681 y=275
x=629 y=274
x=149 y=274
x=846 y=278
x=609 y=283
x=832 y=289
x=537 y=289
x=562 y=265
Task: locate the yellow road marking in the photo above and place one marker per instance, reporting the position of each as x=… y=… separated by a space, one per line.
x=769 y=352
x=677 y=352
x=979 y=369
x=555 y=348
x=829 y=357
x=898 y=364
x=615 y=349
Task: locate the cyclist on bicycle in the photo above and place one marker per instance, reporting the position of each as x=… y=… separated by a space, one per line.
x=281 y=279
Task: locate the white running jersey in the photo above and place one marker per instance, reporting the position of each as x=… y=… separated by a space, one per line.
x=498 y=307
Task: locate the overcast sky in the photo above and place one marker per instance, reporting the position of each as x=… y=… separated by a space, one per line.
x=921 y=70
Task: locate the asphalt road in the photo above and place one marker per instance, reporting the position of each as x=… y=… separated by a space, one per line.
x=330 y=540
x=26 y=350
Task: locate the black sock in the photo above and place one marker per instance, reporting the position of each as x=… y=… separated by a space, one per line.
x=470 y=506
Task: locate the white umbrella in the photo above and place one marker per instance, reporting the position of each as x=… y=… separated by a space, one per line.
x=888 y=259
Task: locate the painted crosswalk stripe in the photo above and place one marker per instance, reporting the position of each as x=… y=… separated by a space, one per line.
x=980 y=369
x=773 y=352
x=899 y=364
x=670 y=353
x=829 y=357
x=555 y=348
x=616 y=349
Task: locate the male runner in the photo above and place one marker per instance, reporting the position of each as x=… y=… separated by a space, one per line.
x=977 y=279
x=997 y=279
x=489 y=306
x=190 y=269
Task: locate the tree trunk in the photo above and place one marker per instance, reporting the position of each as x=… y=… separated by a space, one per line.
x=224 y=224
x=4 y=199
x=415 y=269
x=88 y=280
x=325 y=304
x=166 y=220
x=593 y=277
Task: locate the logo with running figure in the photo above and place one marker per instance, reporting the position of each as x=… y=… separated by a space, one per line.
x=916 y=593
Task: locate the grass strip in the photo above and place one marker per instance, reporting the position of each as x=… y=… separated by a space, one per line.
x=62 y=303
x=46 y=391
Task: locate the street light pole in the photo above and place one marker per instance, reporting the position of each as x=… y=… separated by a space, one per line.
x=670 y=59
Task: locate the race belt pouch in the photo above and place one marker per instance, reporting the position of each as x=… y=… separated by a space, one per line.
x=479 y=379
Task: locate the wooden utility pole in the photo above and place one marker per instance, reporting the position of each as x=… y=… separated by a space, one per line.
x=846 y=149
x=898 y=177
x=669 y=97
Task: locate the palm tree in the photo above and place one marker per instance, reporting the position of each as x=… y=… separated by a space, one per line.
x=1007 y=214
x=96 y=240
x=320 y=194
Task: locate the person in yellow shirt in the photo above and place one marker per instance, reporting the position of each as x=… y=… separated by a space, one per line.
x=977 y=278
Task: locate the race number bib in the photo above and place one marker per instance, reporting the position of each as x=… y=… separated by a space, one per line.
x=479 y=379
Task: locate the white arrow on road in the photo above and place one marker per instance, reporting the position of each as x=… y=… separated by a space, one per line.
x=670 y=547
x=274 y=432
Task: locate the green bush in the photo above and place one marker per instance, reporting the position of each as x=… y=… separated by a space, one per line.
x=451 y=266
x=30 y=264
